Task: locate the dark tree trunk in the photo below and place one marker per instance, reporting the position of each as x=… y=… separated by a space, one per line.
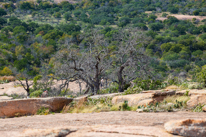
x=96 y=87
x=27 y=87
x=120 y=80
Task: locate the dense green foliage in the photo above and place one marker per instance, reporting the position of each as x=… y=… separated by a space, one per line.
x=176 y=45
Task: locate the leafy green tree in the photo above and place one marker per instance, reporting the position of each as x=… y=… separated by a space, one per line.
x=57 y=15
x=197 y=53
x=152 y=17
x=26 y=6
x=54 y=34
x=43 y=28
x=173 y=10
x=19 y=29
x=170 y=56
x=32 y=26
x=156 y=26
x=6 y=30
x=2 y=12
x=2 y=21
x=14 y=21
x=70 y=28
x=176 y=48
x=166 y=47
x=201 y=76
x=141 y=26
x=170 y=20
x=123 y=21
x=67 y=16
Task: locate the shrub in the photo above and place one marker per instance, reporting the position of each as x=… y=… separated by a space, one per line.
x=164 y=14
x=201 y=76
x=6 y=72
x=36 y=93
x=113 y=88
x=132 y=90
x=148 y=84
x=125 y=106
x=198 y=108
x=43 y=111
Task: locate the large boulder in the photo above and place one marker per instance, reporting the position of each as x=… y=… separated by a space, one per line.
x=104 y=96
x=187 y=128
x=144 y=98
x=196 y=100
x=197 y=92
x=98 y=131
x=21 y=107
x=81 y=98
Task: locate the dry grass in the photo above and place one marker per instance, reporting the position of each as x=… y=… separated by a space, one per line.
x=172 y=99
x=172 y=87
x=8 y=78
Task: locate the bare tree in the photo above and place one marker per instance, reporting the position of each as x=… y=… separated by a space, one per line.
x=23 y=79
x=24 y=73
x=88 y=66
x=129 y=60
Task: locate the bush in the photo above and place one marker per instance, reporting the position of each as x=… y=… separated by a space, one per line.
x=43 y=111
x=36 y=93
x=6 y=72
x=164 y=14
x=132 y=90
x=198 y=108
x=148 y=84
x=201 y=76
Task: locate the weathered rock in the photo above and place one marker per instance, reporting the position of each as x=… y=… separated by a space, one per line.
x=53 y=132
x=133 y=99
x=196 y=100
x=146 y=102
x=139 y=110
x=204 y=108
x=31 y=106
x=197 y=92
x=81 y=98
x=187 y=128
x=144 y=98
x=104 y=96
x=161 y=92
x=98 y=131
x=182 y=92
x=3 y=98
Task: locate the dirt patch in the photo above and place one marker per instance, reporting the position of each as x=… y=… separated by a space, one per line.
x=183 y=17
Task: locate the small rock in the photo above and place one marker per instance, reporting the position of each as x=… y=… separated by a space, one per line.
x=204 y=108
x=139 y=110
x=187 y=128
